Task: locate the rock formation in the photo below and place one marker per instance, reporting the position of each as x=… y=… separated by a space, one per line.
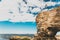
x=48 y=24
x=20 y=38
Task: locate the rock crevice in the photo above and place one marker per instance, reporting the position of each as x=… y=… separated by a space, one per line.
x=48 y=23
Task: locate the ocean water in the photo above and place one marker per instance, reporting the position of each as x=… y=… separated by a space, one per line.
x=3 y=39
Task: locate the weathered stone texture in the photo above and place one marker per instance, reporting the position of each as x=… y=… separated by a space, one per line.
x=48 y=23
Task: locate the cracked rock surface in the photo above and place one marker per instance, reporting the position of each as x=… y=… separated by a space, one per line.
x=48 y=23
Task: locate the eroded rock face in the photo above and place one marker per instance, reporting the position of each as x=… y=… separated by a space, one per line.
x=48 y=23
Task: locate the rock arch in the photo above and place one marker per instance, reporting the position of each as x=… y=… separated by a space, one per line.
x=48 y=23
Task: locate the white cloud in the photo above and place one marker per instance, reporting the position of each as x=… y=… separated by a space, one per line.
x=50 y=3
x=23 y=16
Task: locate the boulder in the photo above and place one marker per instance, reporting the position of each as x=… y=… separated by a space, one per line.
x=48 y=23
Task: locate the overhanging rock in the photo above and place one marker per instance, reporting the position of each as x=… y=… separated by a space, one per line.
x=48 y=24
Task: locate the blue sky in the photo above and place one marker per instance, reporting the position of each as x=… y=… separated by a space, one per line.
x=18 y=16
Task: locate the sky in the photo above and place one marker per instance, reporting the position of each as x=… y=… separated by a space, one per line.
x=18 y=16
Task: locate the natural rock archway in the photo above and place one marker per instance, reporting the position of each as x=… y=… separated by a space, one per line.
x=48 y=23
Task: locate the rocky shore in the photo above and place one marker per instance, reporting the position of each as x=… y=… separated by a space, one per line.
x=20 y=38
